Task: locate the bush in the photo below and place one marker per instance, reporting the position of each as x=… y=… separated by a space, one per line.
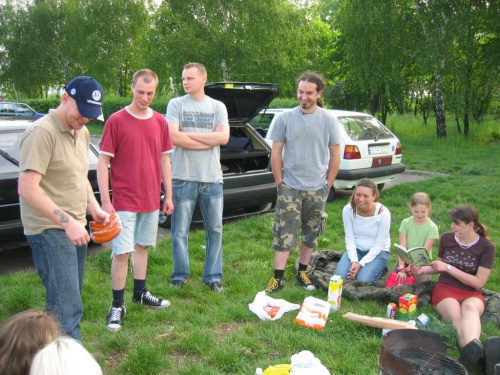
x=284 y=103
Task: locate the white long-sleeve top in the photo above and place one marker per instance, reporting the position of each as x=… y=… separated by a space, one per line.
x=366 y=233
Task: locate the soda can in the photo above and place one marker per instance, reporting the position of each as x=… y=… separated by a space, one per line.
x=391 y=310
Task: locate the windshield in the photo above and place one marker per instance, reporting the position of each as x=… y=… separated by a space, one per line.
x=9 y=151
x=360 y=128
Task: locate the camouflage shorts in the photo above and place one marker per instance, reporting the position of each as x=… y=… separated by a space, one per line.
x=299 y=208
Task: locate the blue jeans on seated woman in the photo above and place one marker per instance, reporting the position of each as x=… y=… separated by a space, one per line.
x=370 y=273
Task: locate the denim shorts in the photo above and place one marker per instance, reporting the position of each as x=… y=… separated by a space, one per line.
x=299 y=208
x=137 y=228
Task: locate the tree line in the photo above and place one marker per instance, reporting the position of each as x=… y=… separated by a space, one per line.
x=379 y=56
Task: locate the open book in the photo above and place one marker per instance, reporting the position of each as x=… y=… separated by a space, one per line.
x=417 y=255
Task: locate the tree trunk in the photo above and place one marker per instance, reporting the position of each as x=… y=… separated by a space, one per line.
x=416 y=105
x=455 y=96
x=440 y=116
x=468 y=84
x=466 y=122
x=385 y=111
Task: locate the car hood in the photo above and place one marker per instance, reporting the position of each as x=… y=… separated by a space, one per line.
x=243 y=100
x=16 y=120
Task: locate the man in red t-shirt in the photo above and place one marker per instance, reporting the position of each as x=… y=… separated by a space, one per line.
x=136 y=144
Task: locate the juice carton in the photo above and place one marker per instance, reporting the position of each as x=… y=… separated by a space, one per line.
x=335 y=292
x=408 y=307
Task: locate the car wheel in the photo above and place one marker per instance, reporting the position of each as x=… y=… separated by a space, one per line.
x=380 y=187
x=331 y=195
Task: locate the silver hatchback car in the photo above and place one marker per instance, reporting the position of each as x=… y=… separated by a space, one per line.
x=368 y=150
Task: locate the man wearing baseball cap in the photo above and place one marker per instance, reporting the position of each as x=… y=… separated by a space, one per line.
x=55 y=195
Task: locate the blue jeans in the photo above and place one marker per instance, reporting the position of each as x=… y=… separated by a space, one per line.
x=211 y=200
x=61 y=265
x=370 y=273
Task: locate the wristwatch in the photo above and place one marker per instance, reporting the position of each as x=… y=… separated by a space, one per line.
x=448 y=267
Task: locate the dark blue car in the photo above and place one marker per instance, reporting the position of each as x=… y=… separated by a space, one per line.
x=18 y=109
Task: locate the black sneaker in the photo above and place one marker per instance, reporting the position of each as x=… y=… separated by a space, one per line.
x=274 y=285
x=304 y=280
x=115 y=318
x=147 y=299
x=215 y=286
x=492 y=355
x=178 y=283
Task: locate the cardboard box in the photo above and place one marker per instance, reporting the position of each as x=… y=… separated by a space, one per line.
x=407 y=308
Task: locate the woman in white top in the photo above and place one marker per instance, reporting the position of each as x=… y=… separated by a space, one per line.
x=367 y=238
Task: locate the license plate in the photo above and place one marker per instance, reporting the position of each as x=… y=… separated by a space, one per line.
x=378 y=150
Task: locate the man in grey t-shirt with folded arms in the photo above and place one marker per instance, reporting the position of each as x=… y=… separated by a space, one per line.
x=198 y=126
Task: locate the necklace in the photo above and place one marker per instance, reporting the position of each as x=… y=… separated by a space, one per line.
x=467 y=246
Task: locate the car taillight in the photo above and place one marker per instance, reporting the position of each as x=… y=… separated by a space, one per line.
x=399 y=149
x=351 y=152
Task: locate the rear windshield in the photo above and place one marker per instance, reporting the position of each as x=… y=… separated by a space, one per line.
x=360 y=128
x=262 y=120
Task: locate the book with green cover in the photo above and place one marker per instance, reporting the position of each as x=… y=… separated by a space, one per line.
x=416 y=255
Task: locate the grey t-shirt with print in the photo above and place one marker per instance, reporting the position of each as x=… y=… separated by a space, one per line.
x=199 y=116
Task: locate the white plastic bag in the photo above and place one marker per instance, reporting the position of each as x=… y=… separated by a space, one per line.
x=305 y=363
x=276 y=307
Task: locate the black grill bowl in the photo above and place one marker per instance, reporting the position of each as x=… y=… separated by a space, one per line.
x=415 y=352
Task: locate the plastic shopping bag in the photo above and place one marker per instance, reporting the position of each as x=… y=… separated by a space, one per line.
x=305 y=363
x=392 y=280
x=267 y=308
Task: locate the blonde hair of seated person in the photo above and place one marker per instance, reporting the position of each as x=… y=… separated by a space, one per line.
x=21 y=336
x=64 y=356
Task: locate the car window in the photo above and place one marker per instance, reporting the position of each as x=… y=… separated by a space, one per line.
x=9 y=147
x=24 y=109
x=262 y=120
x=6 y=108
x=360 y=128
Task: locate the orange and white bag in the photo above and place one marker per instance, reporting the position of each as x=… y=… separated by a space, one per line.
x=313 y=313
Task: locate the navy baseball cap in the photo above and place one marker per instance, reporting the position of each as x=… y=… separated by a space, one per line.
x=88 y=95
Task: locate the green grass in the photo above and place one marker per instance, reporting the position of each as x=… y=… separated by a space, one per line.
x=206 y=333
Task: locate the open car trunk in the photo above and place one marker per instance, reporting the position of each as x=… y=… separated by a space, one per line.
x=246 y=159
x=246 y=150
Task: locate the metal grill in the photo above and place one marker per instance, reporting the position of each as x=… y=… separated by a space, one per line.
x=415 y=352
x=424 y=361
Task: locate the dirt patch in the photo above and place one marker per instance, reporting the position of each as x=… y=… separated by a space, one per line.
x=224 y=329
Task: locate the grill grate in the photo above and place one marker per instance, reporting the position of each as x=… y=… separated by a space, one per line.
x=426 y=361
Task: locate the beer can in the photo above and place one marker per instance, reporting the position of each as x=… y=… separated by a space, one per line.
x=391 y=310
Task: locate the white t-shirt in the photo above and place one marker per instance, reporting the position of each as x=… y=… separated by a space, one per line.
x=370 y=233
